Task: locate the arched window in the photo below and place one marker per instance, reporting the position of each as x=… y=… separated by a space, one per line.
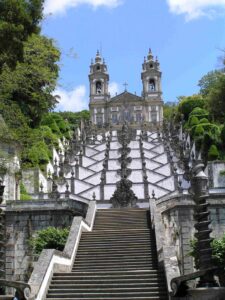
x=98 y=87
x=151 y=85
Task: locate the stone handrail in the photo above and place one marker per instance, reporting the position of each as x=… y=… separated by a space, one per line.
x=166 y=254
x=51 y=260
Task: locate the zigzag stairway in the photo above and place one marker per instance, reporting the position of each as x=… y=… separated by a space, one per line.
x=117 y=260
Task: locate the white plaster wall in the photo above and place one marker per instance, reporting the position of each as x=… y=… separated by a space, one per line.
x=134 y=145
x=87 y=161
x=151 y=165
x=147 y=145
x=96 y=167
x=81 y=186
x=149 y=154
x=114 y=165
x=89 y=194
x=135 y=164
x=161 y=159
x=138 y=189
x=135 y=153
x=115 y=145
x=100 y=147
x=167 y=184
x=112 y=177
x=164 y=170
x=99 y=156
x=89 y=151
x=136 y=176
x=108 y=191
x=154 y=177
x=94 y=179
x=84 y=173
x=114 y=154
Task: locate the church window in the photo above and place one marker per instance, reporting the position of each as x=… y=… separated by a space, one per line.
x=99 y=119
x=127 y=116
x=98 y=68
x=151 y=86
x=154 y=117
x=98 y=87
x=114 y=118
x=138 y=117
x=151 y=66
x=153 y=108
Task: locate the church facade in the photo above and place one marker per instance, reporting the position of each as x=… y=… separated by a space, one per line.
x=126 y=107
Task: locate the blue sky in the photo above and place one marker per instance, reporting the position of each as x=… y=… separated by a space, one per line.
x=186 y=35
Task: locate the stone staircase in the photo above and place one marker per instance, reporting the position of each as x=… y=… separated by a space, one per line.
x=117 y=260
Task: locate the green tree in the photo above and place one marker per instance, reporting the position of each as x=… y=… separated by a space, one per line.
x=207 y=82
x=74 y=118
x=216 y=99
x=18 y=20
x=32 y=82
x=187 y=104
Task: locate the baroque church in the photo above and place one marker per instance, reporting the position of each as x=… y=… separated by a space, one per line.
x=126 y=107
x=133 y=192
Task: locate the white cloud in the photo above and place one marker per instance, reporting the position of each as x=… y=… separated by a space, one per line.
x=60 y=6
x=75 y=100
x=114 y=88
x=193 y=9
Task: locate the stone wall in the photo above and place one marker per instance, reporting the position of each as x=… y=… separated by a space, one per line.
x=178 y=224
x=23 y=220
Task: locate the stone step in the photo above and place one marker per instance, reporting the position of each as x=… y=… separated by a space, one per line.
x=107 y=281
x=113 y=267
x=125 y=243
x=104 y=247
x=116 y=239
x=105 y=290
x=105 y=286
x=118 y=298
x=115 y=258
x=118 y=231
x=97 y=295
x=114 y=274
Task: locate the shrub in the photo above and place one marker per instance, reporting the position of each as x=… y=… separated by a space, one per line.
x=49 y=238
x=213 y=153
x=198 y=130
x=218 y=252
x=199 y=112
x=193 y=120
x=203 y=121
x=23 y=193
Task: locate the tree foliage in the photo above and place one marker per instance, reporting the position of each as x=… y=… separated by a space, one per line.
x=18 y=20
x=74 y=118
x=187 y=104
x=32 y=82
x=218 y=252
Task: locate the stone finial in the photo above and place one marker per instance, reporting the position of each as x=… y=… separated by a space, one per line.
x=55 y=193
x=49 y=175
x=93 y=196
x=41 y=187
x=153 y=194
x=67 y=192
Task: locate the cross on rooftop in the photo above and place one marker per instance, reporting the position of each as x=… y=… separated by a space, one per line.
x=125 y=85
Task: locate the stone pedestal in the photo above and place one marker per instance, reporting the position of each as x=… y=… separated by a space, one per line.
x=217 y=293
